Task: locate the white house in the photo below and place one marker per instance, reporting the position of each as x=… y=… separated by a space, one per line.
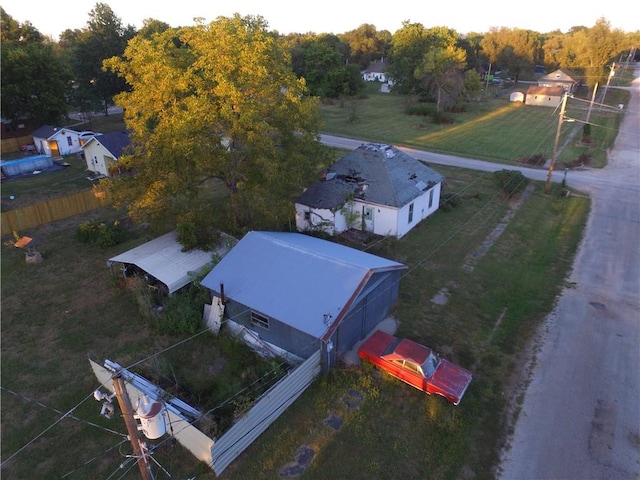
x=375 y=188
x=102 y=152
x=56 y=141
x=562 y=77
x=375 y=71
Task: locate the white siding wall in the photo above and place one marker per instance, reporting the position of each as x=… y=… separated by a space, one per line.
x=98 y=158
x=421 y=210
x=319 y=219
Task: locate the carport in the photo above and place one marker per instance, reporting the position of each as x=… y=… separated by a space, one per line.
x=163 y=260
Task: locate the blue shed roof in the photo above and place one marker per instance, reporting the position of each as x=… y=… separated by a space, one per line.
x=295 y=278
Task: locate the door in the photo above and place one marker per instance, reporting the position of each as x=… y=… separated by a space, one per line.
x=367 y=218
x=53 y=147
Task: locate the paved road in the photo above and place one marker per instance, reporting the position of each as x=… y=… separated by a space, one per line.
x=581 y=414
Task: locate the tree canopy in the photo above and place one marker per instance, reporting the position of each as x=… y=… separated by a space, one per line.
x=35 y=82
x=214 y=101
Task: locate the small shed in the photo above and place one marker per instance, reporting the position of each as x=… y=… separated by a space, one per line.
x=162 y=260
x=302 y=294
x=102 y=152
x=544 y=96
x=516 y=97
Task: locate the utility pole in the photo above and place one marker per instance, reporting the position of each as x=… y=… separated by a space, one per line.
x=555 y=144
x=593 y=97
x=611 y=73
x=132 y=427
x=486 y=88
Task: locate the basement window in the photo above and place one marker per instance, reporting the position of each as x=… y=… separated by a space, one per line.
x=259 y=320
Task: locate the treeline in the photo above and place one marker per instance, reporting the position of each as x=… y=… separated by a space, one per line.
x=43 y=79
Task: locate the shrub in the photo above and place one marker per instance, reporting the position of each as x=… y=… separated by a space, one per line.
x=509 y=182
x=101 y=234
x=419 y=109
x=197 y=231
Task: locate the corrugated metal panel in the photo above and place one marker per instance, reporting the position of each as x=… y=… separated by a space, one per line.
x=265 y=412
x=297 y=279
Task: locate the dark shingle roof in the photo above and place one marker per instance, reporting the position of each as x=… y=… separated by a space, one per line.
x=114 y=142
x=48 y=131
x=373 y=173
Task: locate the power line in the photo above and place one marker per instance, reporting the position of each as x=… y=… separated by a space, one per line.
x=126 y=440
x=72 y=417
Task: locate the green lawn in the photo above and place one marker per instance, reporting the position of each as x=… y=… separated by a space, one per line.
x=492 y=129
x=58 y=313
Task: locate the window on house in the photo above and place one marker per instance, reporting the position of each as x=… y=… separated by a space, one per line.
x=430 y=198
x=259 y=320
x=69 y=141
x=307 y=216
x=411 y=213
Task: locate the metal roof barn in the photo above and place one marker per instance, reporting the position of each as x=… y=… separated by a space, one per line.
x=304 y=282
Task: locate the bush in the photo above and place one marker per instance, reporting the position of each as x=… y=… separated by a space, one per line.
x=509 y=182
x=101 y=234
x=197 y=231
x=419 y=109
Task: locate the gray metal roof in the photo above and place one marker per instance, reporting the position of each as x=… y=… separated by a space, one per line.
x=164 y=259
x=374 y=173
x=295 y=278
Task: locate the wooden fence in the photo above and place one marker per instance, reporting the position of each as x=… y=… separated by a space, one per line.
x=49 y=211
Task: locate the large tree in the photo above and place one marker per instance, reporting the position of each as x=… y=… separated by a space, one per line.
x=215 y=101
x=35 y=83
x=366 y=44
x=104 y=37
x=441 y=73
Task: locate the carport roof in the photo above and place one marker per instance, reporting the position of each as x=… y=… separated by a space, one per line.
x=164 y=259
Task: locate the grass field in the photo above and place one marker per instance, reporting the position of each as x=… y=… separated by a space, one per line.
x=59 y=313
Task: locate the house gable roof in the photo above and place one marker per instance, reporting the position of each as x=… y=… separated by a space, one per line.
x=295 y=278
x=114 y=142
x=49 y=131
x=560 y=75
x=546 y=91
x=377 y=66
x=372 y=173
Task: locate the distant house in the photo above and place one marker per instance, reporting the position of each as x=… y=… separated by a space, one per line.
x=562 y=77
x=544 y=96
x=375 y=188
x=56 y=141
x=375 y=71
x=302 y=294
x=101 y=152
